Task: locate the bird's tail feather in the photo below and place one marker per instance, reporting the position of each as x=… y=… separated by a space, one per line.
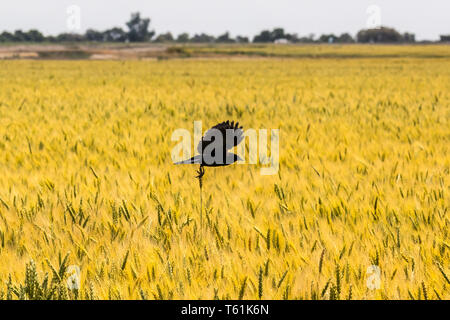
x=197 y=159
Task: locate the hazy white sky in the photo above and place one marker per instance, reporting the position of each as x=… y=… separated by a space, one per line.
x=427 y=19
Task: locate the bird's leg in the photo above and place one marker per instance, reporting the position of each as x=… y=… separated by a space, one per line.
x=201 y=173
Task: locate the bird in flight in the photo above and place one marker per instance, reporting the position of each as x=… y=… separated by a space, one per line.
x=214 y=145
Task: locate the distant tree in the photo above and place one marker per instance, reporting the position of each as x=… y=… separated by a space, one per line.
x=34 y=36
x=241 y=39
x=6 y=37
x=138 y=31
x=306 y=40
x=274 y=35
x=292 y=37
x=409 y=37
x=164 y=37
x=138 y=28
x=264 y=36
x=277 y=33
x=379 y=35
x=202 y=38
x=50 y=38
x=332 y=38
x=114 y=35
x=296 y=39
x=19 y=36
x=445 y=38
x=183 y=37
x=225 y=38
x=93 y=35
x=345 y=38
x=69 y=37
x=327 y=38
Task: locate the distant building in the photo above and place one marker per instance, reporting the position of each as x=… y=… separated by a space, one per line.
x=281 y=41
x=445 y=38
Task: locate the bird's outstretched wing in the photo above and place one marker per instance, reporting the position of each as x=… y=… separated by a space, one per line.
x=235 y=135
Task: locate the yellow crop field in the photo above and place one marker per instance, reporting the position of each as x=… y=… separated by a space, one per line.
x=359 y=208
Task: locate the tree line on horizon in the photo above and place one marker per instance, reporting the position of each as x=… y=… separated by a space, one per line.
x=138 y=31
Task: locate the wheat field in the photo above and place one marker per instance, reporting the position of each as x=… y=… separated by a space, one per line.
x=87 y=180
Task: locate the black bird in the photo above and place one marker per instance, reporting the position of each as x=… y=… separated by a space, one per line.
x=221 y=138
